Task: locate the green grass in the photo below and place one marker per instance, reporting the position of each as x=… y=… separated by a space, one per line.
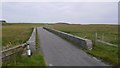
x=35 y=60
x=14 y=34
x=110 y=31
x=0 y=35
x=105 y=52
x=37 y=46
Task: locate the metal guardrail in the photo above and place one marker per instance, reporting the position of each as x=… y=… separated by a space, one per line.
x=11 y=51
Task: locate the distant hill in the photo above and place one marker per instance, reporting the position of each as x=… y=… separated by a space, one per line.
x=62 y=23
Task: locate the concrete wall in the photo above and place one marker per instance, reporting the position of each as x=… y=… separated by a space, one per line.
x=32 y=40
x=84 y=43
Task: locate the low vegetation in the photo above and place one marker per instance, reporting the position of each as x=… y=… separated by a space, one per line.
x=0 y=35
x=105 y=52
x=14 y=34
x=37 y=46
x=109 y=32
x=35 y=60
x=108 y=53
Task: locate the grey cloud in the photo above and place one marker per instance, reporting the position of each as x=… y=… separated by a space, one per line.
x=74 y=12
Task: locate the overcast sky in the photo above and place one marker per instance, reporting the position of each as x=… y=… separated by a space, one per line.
x=60 y=0
x=71 y=12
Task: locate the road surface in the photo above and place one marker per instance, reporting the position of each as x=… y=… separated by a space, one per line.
x=58 y=52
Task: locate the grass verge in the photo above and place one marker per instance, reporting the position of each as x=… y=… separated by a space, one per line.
x=37 y=46
x=18 y=60
x=107 y=53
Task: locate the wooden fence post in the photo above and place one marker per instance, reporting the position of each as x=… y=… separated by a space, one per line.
x=103 y=36
x=95 y=39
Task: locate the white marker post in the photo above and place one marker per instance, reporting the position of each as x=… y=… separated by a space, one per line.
x=29 y=53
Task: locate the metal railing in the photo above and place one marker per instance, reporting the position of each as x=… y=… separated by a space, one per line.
x=11 y=51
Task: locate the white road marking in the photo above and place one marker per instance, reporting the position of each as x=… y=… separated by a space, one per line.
x=50 y=65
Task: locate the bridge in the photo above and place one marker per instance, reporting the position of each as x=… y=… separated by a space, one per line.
x=59 y=52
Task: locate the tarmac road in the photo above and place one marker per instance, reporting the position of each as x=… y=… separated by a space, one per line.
x=58 y=52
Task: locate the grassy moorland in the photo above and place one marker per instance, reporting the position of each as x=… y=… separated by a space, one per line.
x=0 y=34
x=101 y=51
x=110 y=32
x=14 y=34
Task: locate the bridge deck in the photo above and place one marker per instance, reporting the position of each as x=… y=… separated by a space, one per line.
x=58 y=52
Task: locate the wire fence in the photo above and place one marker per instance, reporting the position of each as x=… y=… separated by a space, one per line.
x=108 y=37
